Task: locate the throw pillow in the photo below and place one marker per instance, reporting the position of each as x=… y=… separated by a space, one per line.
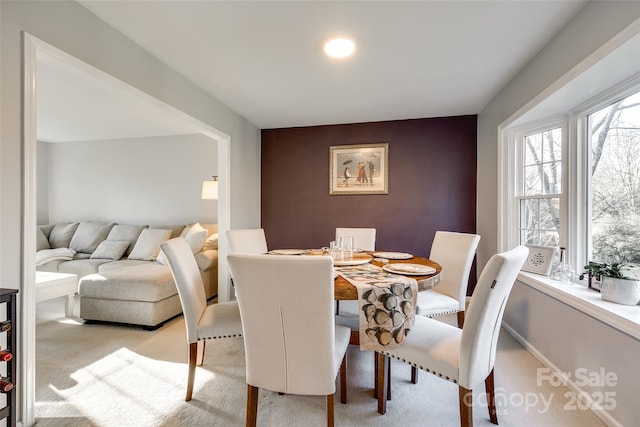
x=42 y=241
x=147 y=247
x=89 y=235
x=47 y=255
x=195 y=237
x=126 y=232
x=110 y=249
x=211 y=242
x=61 y=235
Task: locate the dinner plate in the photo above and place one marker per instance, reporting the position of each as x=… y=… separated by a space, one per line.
x=286 y=252
x=409 y=269
x=356 y=260
x=392 y=255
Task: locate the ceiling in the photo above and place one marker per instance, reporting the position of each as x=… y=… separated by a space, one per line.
x=264 y=59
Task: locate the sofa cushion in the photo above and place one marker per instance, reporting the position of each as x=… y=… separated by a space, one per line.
x=46 y=229
x=88 y=236
x=147 y=282
x=126 y=232
x=41 y=240
x=176 y=230
x=61 y=235
x=148 y=245
x=81 y=267
x=120 y=264
x=110 y=249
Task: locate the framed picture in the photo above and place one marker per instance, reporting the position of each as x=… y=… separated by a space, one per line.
x=359 y=169
x=539 y=260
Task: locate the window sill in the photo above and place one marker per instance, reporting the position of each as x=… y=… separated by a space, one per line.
x=625 y=318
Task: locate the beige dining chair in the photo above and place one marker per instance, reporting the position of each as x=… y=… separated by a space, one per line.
x=292 y=345
x=203 y=322
x=249 y=241
x=463 y=356
x=454 y=252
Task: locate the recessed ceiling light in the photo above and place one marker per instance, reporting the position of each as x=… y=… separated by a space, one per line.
x=339 y=47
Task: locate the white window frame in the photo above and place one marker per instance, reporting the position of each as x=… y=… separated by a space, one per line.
x=518 y=137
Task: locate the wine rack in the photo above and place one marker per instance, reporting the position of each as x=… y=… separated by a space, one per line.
x=9 y=326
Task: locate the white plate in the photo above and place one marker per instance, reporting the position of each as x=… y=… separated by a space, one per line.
x=361 y=259
x=409 y=269
x=287 y=252
x=392 y=255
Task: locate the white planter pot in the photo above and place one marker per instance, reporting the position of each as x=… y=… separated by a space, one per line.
x=621 y=291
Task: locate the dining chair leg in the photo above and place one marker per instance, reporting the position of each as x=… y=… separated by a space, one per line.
x=330 y=420
x=193 y=354
x=466 y=411
x=375 y=375
x=337 y=307
x=343 y=380
x=460 y=319
x=491 y=398
x=414 y=375
x=200 y=358
x=252 y=405
x=388 y=378
x=381 y=374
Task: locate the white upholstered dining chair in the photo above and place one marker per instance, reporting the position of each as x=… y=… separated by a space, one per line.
x=249 y=241
x=454 y=252
x=463 y=356
x=363 y=238
x=203 y=322
x=292 y=345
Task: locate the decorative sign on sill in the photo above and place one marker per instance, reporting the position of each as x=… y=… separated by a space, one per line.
x=539 y=260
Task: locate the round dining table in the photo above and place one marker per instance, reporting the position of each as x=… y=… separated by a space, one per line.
x=346 y=291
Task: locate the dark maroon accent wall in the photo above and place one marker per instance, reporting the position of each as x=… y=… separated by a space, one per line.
x=432 y=183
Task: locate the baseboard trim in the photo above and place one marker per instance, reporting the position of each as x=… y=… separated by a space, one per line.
x=604 y=415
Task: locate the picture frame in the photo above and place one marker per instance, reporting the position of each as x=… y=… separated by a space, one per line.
x=539 y=260
x=359 y=169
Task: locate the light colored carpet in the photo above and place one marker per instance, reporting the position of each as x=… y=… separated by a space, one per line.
x=113 y=376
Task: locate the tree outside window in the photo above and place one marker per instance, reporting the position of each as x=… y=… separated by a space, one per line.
x=615 y=181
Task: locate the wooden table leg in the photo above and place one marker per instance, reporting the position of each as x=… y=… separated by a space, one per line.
x=382 y=378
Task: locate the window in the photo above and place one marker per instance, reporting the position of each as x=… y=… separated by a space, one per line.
x=573 y=180
x=614 y=188
x=541 y=187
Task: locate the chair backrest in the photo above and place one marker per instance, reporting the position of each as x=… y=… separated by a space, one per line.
x=484 y=316
x=286 y=306
x=363 y=238
x=247 y=241
x=454 y=252
x=186 y=274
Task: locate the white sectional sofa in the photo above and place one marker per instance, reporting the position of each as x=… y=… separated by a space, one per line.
x=122 y=274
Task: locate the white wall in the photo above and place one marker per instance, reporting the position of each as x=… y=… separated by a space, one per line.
x=42 y=174
x=133 y=181
x=563 y=336
x=72 y=28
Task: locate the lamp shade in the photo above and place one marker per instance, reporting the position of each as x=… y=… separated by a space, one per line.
x=210 y=189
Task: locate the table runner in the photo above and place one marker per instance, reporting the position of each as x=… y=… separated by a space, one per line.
x=386 y=305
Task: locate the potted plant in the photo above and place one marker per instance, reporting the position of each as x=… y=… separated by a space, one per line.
x=618 y=281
